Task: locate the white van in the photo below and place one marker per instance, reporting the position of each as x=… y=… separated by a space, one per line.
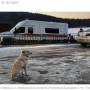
x=36 y=30
x=84 y=37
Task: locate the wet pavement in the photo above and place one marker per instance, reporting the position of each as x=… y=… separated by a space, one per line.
x=49 y=64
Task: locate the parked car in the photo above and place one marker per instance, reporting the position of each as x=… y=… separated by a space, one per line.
x=84 y=37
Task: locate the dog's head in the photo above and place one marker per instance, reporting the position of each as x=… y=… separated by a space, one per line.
x=26 y=53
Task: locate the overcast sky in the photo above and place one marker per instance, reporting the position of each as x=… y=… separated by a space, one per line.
x=71 y=8
x=76 y=15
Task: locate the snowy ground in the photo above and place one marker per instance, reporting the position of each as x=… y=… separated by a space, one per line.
x=49 y=64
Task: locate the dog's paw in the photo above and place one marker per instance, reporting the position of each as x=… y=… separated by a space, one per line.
x=26 y=75
x=14 y=79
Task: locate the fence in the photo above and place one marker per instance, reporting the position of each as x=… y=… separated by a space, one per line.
x=21 y=39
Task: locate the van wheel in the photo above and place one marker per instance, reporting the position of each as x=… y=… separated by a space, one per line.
x=83 y=44
x=6 y=41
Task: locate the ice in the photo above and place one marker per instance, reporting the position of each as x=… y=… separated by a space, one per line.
x=48 y=64
x=75 y=30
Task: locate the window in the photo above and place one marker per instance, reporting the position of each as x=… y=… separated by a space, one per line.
x=88 y=30
x=20 y=30
x=88 y=34
x=30 y=30
x=52 y=30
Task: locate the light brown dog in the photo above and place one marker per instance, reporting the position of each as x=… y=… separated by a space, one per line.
x=20 y=65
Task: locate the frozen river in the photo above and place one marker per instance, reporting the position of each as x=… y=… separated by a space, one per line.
x=75 y=30
x=49 y=64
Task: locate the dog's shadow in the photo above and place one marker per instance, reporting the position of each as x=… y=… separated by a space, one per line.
x=22 y=79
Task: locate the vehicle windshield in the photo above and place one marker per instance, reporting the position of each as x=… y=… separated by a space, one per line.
x=12 y=29
x=16 y=26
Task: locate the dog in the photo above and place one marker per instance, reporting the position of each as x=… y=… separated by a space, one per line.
x=20 y=65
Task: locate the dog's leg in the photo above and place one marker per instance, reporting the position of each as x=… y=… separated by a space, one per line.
x=25 y=70
x=22 y=71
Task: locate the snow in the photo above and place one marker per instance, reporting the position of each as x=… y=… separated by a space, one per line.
x=75 y=30
x=49 y=64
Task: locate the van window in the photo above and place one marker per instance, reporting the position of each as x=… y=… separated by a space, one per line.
x=20 y=30
x=30 y=30
x=52 y=30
